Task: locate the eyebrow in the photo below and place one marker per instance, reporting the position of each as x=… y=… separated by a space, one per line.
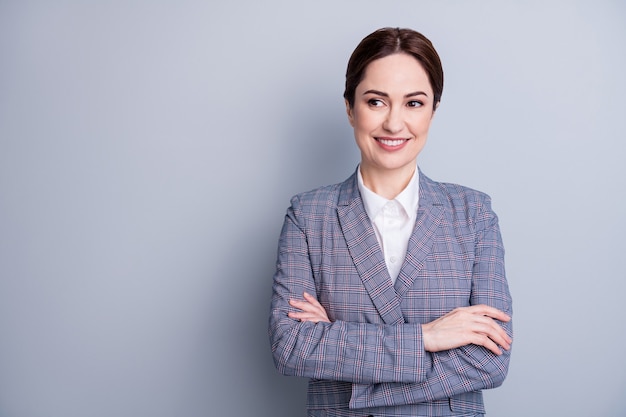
x=380 y=93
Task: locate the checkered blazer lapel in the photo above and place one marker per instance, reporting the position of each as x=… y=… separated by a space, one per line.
x=429 y=216
x=366 y=253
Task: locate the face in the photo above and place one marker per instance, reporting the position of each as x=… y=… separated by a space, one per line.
x=393 y=109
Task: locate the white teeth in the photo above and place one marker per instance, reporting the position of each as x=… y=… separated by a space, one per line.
x=391 y=142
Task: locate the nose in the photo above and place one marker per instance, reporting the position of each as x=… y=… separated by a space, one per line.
x=393 y=122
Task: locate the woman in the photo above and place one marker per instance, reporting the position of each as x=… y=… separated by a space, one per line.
x=390 y=291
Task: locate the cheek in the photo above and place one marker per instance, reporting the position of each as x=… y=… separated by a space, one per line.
x=421 y=125
x=365 y=121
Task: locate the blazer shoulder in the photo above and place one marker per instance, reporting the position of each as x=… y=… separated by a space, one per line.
x=459 y=194
x=459 y=200
x=325 y=198
x=314 y=209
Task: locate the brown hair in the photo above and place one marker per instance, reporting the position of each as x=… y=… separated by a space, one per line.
x=388 y=41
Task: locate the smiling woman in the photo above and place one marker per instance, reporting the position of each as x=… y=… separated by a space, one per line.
x=390 y=291
x=391 y=115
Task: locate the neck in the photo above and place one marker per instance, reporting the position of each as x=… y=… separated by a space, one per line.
x=387 y=183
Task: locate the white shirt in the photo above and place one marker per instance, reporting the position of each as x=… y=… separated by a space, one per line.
x=393 y=220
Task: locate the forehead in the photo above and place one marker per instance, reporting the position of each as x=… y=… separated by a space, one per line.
x=397 y=72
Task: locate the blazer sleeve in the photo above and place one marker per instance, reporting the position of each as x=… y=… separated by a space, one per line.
x=470 y=367
x=341 y=351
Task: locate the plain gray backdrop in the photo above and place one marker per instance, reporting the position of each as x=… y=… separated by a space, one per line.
x=148 y=151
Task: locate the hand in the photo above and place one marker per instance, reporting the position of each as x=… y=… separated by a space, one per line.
x=467 y=325
x=311 y=310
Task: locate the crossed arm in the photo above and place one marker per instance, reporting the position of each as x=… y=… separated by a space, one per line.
x=462 y=326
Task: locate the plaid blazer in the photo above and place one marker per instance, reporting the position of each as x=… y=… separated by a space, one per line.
x=371 y=360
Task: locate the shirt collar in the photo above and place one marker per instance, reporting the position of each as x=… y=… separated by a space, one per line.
x=408 y=198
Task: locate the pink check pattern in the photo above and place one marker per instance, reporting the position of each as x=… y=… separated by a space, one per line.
x=371 y=360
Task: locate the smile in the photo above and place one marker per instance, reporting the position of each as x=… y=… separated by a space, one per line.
x=391 y=142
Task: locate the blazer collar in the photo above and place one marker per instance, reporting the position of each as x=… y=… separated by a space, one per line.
x=429 y=216
x=429 y=192
x=367 y=255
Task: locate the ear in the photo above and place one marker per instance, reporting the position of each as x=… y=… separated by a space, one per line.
x=350 y=113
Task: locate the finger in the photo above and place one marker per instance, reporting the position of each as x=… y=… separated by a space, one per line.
x=312 y=308
x=301 y=303
x=306 y=306
x=500 y=339
x=494 y=331
x=489 y=344
x=304 y=316
x=294 y=302
x=306 y=310
x=485 y=310
x=299 y=315
x=311 y=299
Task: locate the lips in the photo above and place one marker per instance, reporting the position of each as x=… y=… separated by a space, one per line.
x=391 y=143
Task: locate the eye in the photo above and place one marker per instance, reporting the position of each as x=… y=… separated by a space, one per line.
x=375 y=102
x=414 y=103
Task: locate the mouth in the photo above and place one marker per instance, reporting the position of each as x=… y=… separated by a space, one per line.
x=391 y=143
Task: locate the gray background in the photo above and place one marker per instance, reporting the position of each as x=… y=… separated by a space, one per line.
x=148 y=151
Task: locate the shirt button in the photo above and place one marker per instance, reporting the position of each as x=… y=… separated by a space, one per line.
x=392 y=259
